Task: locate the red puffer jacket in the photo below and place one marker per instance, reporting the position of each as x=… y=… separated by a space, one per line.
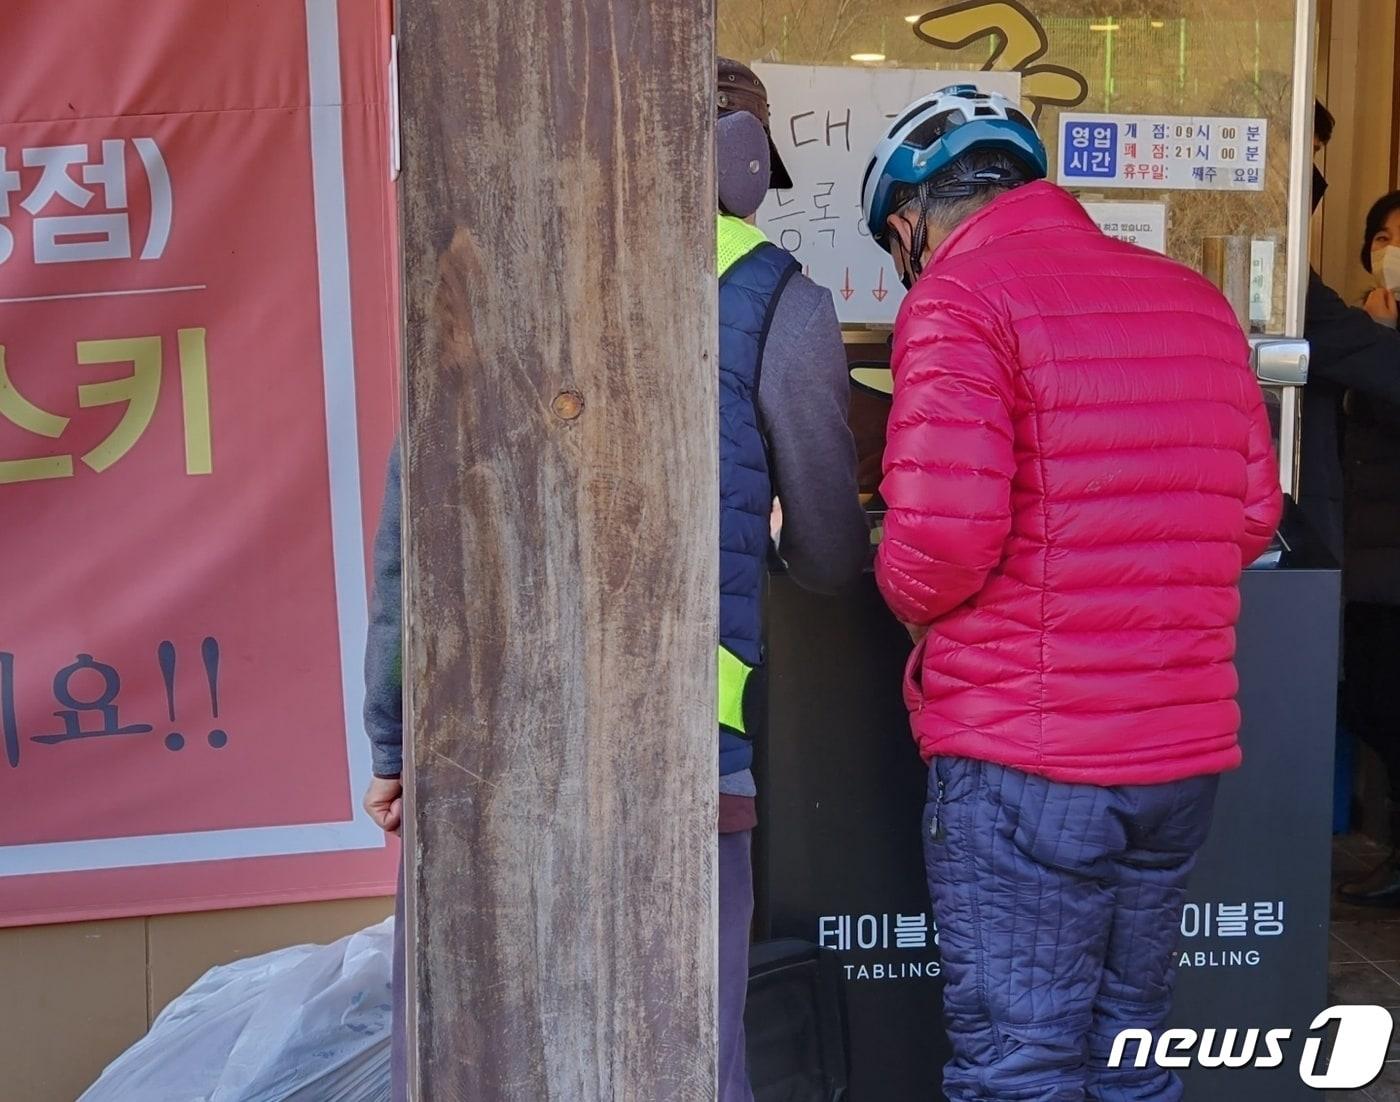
x=1078 y=466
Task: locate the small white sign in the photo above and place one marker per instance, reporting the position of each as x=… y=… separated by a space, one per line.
x=1163 y=152
x=1262 y=255
x=1142 y=224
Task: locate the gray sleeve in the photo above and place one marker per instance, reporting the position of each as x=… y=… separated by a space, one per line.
x=804 y=397
x=384 y=645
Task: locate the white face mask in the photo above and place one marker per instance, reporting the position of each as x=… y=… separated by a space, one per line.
x=1385 y=264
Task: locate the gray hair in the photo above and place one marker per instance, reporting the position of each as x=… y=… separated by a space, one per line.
x=961 y=190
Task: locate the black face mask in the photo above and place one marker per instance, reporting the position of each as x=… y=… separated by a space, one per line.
x=1319 y=187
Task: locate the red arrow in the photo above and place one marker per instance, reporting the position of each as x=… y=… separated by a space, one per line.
x=880 y=291
x=847 y=291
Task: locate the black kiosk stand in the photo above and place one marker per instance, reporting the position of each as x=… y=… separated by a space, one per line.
x=839 y=858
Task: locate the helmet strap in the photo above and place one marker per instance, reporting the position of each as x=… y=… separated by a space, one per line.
x=918 y=240
x=947 y=186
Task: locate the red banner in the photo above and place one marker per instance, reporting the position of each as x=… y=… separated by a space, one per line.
x=197 y=341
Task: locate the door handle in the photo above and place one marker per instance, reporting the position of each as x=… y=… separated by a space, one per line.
x=1280 y=361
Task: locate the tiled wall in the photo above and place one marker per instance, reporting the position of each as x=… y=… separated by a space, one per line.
x=75 y=996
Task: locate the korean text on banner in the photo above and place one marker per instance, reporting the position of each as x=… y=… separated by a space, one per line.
x=196 y=354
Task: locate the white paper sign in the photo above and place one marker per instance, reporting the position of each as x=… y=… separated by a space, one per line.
x=1142 y=224
x=1163 y=152
x=826 y=122
x=1262 y=253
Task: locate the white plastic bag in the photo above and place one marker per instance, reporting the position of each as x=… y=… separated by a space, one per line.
x=309 y=1022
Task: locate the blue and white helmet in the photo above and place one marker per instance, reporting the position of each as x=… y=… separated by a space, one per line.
x=933 y=133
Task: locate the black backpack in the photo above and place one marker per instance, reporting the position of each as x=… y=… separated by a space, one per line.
x=795 y=1023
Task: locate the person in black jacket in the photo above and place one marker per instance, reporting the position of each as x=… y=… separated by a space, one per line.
x=1349 y=352
x=1355 y=365
x=1371 y=484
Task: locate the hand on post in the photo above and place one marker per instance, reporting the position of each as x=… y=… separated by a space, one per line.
x=384 y=803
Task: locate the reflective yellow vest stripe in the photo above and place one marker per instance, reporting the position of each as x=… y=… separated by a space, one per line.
x=734 y=675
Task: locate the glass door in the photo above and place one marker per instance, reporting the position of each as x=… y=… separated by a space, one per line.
x=1182 y=124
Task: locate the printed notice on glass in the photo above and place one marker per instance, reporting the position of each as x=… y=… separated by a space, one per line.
x=1142 y=224
x=1163 y=152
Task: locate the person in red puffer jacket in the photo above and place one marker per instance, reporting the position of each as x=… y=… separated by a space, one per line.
x=1078 y=466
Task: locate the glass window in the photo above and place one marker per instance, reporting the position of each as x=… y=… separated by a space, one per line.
x=1184 y=59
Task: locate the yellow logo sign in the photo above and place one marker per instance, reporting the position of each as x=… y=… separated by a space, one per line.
x=1020 y=43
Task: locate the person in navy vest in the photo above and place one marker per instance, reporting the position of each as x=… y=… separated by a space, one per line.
x=784 y=435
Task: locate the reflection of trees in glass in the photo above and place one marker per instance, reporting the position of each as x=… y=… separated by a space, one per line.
x=1195 y=65
x=801 y=31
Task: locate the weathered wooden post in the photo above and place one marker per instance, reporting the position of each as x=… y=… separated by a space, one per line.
x=558 y=237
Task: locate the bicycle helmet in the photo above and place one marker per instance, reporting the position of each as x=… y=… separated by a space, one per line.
x=930 y=136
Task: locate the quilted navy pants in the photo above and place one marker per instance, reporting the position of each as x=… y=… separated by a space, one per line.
x=1058 y=910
